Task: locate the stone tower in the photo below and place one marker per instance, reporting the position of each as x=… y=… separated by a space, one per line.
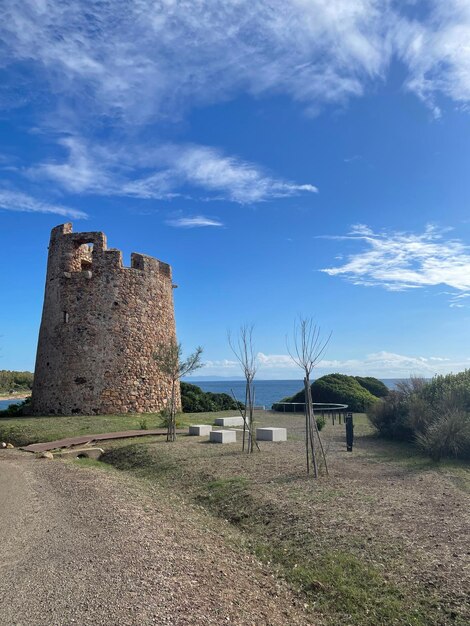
x=101 y=324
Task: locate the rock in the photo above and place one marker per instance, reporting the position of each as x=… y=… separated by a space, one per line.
x=46 y=455
x=10 y=446
x=3 y=444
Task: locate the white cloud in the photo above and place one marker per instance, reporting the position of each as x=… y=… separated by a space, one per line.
x=437 y=53
x=400 y=260
x=17 y=201
x=160 y=56
x=194 y=222
x=109 y=170
x=381 y=364
x=209 y=169
x=82 y=171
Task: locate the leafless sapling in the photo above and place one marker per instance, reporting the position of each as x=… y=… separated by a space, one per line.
x=307 y=351
x=243 y=349
x=170 y=362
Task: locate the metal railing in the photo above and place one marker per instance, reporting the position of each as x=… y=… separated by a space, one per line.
x=325 y=409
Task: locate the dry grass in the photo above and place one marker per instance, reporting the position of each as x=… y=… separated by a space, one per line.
x=382 y=540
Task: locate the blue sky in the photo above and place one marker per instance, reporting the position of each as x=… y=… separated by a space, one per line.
x=285 y=157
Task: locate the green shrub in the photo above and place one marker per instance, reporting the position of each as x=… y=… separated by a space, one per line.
x=195 y=400
x=321 y=421
x=435 y=415
x=336 y=389
x=373 y=385
x=447 y=435
x=391 y=417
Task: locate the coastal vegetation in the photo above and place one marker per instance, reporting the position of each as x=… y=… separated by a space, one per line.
x=434 y=415
x=195 y=400
x=357 y=392
x=15 y=382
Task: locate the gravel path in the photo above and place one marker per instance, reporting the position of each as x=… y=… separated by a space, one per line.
x=83 y=546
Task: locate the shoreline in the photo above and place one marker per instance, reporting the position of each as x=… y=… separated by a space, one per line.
x=14 y=396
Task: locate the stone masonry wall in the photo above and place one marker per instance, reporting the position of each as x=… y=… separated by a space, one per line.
x=101 y=325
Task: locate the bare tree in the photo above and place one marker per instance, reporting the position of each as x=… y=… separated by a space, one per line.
x=169 y=360
x=308 y=350
x=242 y=348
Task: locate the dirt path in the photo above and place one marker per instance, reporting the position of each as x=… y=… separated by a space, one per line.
x=81 y=546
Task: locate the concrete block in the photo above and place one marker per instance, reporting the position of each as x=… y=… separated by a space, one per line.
x=271 y=434
x=80 y=453
x=200 y=430
x=223 y=436
x=236 y=420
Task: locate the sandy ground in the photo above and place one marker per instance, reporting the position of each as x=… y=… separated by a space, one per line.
x=81 y=546
x=15 y=396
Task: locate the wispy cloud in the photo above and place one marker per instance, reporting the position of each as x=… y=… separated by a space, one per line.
x=162 y=57
x=207 y=168
x=398 y=260
x=17 y=201
x=198 y=221
x=83 y=169
x=437 y=53
x=175 y=170
x=158 y=57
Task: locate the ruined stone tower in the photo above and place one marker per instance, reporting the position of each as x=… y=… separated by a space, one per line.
x=101 y=324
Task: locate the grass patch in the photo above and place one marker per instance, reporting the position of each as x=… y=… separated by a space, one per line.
x=343 y=587
x=21 y=431
x=138 y=459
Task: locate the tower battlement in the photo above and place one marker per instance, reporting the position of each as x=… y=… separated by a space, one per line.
x=100 y=327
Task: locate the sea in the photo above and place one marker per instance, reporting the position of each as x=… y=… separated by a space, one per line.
x=4 y=404
x=266 y=391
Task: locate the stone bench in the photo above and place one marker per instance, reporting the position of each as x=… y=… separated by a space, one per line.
x=271 y=434
x=200 y=430
x=236 y=420
x=223 y=436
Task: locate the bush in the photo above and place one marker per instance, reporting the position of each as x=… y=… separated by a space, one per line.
x=337 y=389
x=17 y=409
x=435 y=415
x=447 y=435
x=396 y=416
x=195 y=400
x=373 y=385
x=15 y=381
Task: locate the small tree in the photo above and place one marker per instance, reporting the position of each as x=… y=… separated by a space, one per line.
x=242 y=348
x=307 y=352
x=169 y=360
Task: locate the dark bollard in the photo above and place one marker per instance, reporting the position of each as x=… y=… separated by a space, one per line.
x=349 y=432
